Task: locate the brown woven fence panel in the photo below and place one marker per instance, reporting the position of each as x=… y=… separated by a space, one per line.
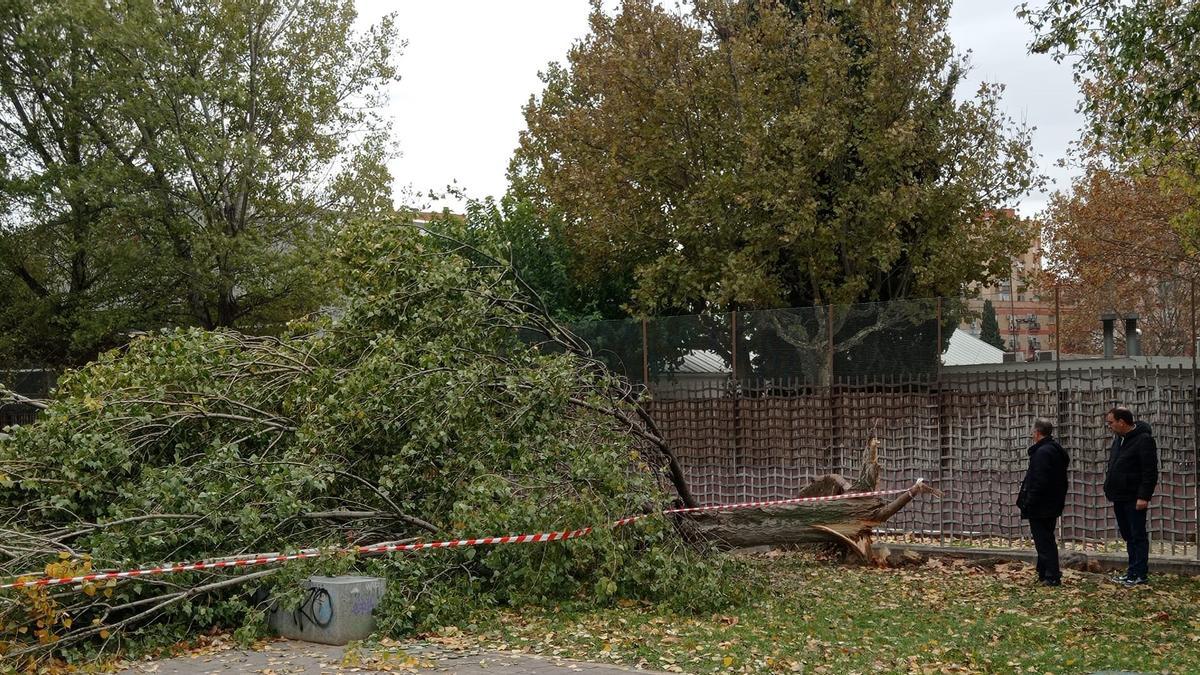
x=1164 y=399
x=967 y=434
x=988 y=422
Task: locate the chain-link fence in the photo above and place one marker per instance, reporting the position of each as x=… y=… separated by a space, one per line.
x=756 y=404
x=34 y=383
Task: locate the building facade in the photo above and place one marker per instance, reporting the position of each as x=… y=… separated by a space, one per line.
x=1026 y=320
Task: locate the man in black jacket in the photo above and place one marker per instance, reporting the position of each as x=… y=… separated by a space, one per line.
x=1042 y=497
x=1129 y=484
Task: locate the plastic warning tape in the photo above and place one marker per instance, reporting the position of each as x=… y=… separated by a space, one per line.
x=772 y=502
x=268 y=559
x=484 y=541
x=794 y=500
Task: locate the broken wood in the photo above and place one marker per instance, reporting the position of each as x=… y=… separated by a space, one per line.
x=849 y=521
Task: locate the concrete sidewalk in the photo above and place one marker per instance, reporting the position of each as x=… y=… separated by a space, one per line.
x=285 y=657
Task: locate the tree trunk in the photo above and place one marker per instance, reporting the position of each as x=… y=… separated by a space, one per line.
x=846 y=521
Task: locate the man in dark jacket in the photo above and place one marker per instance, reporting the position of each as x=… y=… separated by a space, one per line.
x=1129 y=484
x=1042 y=497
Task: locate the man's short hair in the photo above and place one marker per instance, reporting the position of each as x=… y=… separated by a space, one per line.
x=1044 y=426
x=1123 y=414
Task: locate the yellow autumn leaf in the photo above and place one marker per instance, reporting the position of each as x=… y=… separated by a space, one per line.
x=728 y=661
x=104 y=634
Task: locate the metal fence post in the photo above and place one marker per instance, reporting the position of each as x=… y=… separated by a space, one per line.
x=834 y=421
x=1058 y=392
x=738 y=463
x=829 y=325
x=943 y=430
x=1060 y=410
x=1195 y=422
x=645 y=356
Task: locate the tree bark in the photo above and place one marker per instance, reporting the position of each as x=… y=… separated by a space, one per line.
x=847 y=521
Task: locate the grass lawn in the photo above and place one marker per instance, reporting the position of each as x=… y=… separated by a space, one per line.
x=815 y=616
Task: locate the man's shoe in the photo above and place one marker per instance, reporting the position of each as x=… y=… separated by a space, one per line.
x=1050 y=582
x=1130 y=582
x=1121 y=579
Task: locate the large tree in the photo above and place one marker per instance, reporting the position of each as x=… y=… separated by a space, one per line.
x=69 y=261
x=760 y=154
x=198 y=155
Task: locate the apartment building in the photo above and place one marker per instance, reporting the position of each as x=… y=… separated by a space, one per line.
x=1026 y=320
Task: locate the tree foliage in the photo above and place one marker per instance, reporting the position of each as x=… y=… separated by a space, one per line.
x=989 y=330
x=67 y=253
x=515 y=232
x=1137 y=63
x=760 y=154
x=414 y=412
x=1137 y=60
x=178 y=163
x=1111 y=246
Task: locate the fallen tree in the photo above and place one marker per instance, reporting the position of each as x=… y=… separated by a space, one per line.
x=413 y=411
x=848 y=521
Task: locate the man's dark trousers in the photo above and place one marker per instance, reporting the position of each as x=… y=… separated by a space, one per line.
x=1132 y=524
x=1042 y=530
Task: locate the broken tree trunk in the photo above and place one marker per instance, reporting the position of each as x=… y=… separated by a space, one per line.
x=847 y=521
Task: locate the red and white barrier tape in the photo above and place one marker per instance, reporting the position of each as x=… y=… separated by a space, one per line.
x=794 y=500
x=562 y=535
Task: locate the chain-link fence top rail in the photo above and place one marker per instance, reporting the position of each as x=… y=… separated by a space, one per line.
x=757 y=404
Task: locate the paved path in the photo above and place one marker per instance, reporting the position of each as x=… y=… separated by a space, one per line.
x=286 y=657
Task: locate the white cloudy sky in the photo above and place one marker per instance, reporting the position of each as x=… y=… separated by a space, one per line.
x=471 y=64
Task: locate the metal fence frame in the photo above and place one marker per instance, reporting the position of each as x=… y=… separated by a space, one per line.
x=742 y=438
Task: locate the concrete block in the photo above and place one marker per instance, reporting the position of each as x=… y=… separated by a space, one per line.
x=335 y=610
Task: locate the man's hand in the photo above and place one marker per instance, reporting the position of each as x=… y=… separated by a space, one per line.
x=1142 y=504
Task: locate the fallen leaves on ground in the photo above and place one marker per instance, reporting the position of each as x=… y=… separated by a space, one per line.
x=947 y=616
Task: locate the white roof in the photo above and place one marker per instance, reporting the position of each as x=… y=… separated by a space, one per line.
x=966 y=349
x=703 y=361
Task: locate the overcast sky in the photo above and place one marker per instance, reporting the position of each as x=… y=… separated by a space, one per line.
x=471 y=64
